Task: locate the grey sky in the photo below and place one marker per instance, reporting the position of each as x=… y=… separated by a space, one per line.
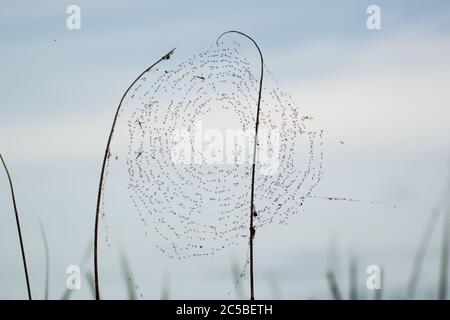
x=383 y=93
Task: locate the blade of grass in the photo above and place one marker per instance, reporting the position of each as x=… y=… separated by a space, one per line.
x=236 y=276
x=18 y=228
x=255 y=143
x=66 y=295
x=353 y=279
x=102 y=174
x=421 y=252
x=84 y=259
x=379 y=292
x=129 y=280
x=429 y=230
x=332 y=283
x=443 y=281
x=443 y=277
x=165 y=293
x=91 y=282
x=333 y=260
x=47 y=261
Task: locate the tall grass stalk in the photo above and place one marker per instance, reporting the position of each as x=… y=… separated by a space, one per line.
x=421 y=252
x=252 y=192
x=18 y=228
x=236 y=276
x=128 y=276
x=102 y=174
x=353 y=279
x=47 y=261
x=334 y=288
x=443 y=276
x=165 y=289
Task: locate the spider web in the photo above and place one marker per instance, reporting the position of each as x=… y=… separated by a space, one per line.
x=198 y=207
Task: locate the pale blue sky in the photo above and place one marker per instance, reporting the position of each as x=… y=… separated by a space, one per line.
x=385 y=93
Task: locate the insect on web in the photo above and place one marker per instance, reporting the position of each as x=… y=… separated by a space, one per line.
x=195 y=207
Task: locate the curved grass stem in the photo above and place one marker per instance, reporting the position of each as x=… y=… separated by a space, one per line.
x=18 y=228
x=252 y=192
x=102 y=174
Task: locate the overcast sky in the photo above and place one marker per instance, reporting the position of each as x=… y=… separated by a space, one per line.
x=384 y=93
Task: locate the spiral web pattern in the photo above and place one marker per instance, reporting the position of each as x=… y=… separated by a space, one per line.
x=195 y=208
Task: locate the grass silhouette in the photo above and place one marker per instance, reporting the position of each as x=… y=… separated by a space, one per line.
x=102 y=174
x=24 y=260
